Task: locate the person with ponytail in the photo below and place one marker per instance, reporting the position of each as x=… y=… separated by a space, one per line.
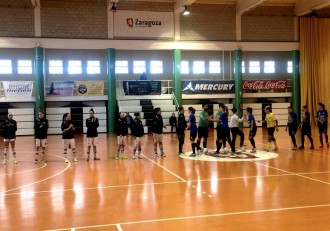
x=137 y=133
x=272 y=125
x=253 y=128
x=293 y=126
x=193 y=130
x=68 y=141
x=9 y=137
x=322 y=123
x=157 y=132
x=306 y=129
x=122 y=132
x=40 y=132
x=92 y=123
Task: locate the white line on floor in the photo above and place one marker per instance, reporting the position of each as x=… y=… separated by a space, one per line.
x=119 y=227
x=31 y=170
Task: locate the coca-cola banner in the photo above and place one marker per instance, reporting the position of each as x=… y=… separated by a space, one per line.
x=265 y=84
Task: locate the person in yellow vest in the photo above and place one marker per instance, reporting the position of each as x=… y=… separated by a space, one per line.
x=272 y=125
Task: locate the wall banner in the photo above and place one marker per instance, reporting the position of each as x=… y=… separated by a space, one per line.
x=142 y=87
x=265 y=84
x=64 y=88
x=208 y=87
x=143 y=24
x=17 y=88
x=89 y=88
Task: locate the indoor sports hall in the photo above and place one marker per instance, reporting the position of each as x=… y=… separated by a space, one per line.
x=127 y=115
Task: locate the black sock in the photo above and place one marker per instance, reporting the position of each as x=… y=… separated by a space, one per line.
x=326 y=139
x=310 y=140
x=321 y=139
x=253 y=143
x=198 y=144
x=204 y=144
x=219 y=145
x=193 y=146
x=293 y=138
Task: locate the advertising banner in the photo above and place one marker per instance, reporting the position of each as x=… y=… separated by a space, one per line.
x=89 y=88
x=64 y=88
x=17 y=88
x=208 y=87
x=142 y=87
x=265 y=84
x=143 y=24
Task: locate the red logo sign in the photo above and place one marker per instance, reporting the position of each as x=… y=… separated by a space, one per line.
x=265 y=84
x=129 y=22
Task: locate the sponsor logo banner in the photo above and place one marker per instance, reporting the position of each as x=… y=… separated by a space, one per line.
x=142 y=87
x=265 y=84
x=89 y=88
x=208 y=87
x=65 y=88
x=17 y=88
x=143 y=24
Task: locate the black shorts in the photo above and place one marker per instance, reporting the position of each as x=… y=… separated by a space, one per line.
x=193 y=136
x=253 y=133
x=271 y=131
x=219 y=132
x=323 y=128
x=293 y=130
x=203 y=132
x=306 y=129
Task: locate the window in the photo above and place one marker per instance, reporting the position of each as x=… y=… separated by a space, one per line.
x=121 y=67
x=55 y=67
x=139 y=67
x=93 y=67
x=74 y=67
x=198 y=67
x=184 y=67
x=24 y=66
x=6 y=66
x=290 y=67
x=269 y=67
x=156 y=67
x=243 y=67
x=254 y=67
x=214 y=67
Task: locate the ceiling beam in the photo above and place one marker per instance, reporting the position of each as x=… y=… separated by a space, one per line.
x=307 y=6
x=179 y=5
x=243 y=6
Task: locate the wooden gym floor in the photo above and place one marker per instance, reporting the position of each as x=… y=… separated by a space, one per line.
x=290 y=192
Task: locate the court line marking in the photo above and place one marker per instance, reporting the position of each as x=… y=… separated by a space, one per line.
x=119 y=227
x=198 y=216
x=37 y=182
x=30 y=170
x=159 y=165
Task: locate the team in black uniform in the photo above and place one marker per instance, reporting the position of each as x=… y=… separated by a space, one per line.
x=68 y=141
x=40 y=133
x=182 y=125
x=306 y=128
x=122 y=132
x=92 y=123
x=9 y=137
x=137 y=132
x=157 y=131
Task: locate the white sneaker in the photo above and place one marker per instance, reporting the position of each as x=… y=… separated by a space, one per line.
x=254 y=150
x=243 y=149
x=226 y=150
x=222 y=151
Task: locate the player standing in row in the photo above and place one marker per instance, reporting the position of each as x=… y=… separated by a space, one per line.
x=68 y=141
x=137 y=133
x=157 y=131
x=203 y=128
x=92 y=123
x=9 y=137
x=122 y=132
x=193 y=130
x=306 y=129
x=225 y=131
x=40 y=132
x=272 y=124
x=322 y=118
x=253 y=128
x=234 y=122
x=293 y=126
x=182 y=125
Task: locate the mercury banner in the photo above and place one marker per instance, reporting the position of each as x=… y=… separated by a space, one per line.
x=89 y=88
x=17 y=88
x=208 y=87
x=143 y=24
x=60 y=88
x=265 y=84
x=142 y=87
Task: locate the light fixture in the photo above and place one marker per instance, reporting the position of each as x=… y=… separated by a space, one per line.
x=186 y=11
x=113 y=8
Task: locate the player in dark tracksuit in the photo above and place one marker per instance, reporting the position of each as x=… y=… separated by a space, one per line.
x=9 y=137
x=322 y=117
x=293 y=126
x=40 y=132
x=122 y=132
x=306 y=129
x=92 y=123
x=182 y=125
x=157 y=131
x=137 y=133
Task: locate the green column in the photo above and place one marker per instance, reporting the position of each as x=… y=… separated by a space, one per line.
x=111 y=59
x=296 y=82
x=177 y=83
x=39 y=79
x=238 y=80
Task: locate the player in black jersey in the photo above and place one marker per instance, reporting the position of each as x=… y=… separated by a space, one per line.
x=40 y=133
x=306 y=129
x=92 y=123
x=122 y=132
x=181 y=128
x=157 y=131
x=68 y=140
x=137 y=133
x=9 y=137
